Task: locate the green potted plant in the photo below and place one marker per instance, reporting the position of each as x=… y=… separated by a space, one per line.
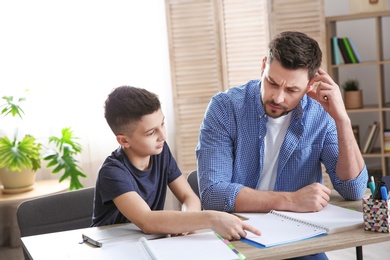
x=20 y=158
x=353 y=95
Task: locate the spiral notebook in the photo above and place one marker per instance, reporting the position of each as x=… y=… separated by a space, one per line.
x=281 y=227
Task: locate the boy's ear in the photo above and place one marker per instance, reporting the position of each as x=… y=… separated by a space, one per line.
x=123 y=141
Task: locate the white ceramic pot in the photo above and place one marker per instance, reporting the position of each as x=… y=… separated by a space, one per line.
x=15 y=182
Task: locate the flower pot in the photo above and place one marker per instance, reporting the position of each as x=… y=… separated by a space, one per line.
x=16 y=182
x=353 y=99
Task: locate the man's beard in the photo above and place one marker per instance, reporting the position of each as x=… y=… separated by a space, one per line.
x=273 y=113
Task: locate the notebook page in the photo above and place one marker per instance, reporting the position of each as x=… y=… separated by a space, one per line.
x=277 y=230
x=334 y=218
x=119 y=250
x=204 y=245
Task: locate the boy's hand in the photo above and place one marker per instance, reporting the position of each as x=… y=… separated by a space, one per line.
x=231 y=227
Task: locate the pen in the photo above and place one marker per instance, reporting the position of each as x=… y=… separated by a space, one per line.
x=377 y=194
x=384 y=193
x=371 y=184
x=240 y=216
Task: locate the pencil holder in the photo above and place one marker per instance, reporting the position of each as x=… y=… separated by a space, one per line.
x=376 y=215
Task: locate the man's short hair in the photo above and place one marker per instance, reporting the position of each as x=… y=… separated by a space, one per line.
x=296 y=50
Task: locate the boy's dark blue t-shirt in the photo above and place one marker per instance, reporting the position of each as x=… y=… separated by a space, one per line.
x=118 y=176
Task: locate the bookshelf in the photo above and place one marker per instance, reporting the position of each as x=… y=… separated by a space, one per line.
x=369 y=32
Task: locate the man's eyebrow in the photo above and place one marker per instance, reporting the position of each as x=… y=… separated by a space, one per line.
x=273 y=82
x=271 y=79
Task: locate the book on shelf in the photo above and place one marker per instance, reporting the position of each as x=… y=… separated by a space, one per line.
x=335 y=51
x=386 y=137
x=281 y=227
x=346 y=47
x=349 y=50
x=374 y=138
x=355 y=130
x=370 y=138
x=128 y=239
x=354 y=50
x=343 y=51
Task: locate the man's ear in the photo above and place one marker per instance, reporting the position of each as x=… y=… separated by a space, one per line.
x=312 y=86
x=123 y=141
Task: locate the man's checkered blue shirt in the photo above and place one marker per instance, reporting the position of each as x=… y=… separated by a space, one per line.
x=230 y=152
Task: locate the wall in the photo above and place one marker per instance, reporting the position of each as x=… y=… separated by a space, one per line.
x=363 y=34
x=70 y=54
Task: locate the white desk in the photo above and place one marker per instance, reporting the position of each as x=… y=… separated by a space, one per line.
x=61 y=245
x=65 y=244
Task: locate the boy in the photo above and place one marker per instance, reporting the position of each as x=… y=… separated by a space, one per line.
x=132 y=182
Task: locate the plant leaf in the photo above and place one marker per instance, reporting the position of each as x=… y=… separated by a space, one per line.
x=64 y=159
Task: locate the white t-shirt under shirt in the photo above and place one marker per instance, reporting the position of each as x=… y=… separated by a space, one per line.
x=276 y=131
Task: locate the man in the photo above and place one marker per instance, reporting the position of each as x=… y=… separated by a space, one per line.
x=261 y=144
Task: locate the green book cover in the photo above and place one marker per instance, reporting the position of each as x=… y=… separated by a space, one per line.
x=349 y=50
x=343 y=51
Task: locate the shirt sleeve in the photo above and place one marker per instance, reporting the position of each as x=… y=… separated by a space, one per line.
x=215 y=156
x=114 y=181
x=353 y=189
x=173 y=170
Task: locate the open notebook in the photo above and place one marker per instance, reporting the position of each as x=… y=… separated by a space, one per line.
x=281 y=227
x=127 y=241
